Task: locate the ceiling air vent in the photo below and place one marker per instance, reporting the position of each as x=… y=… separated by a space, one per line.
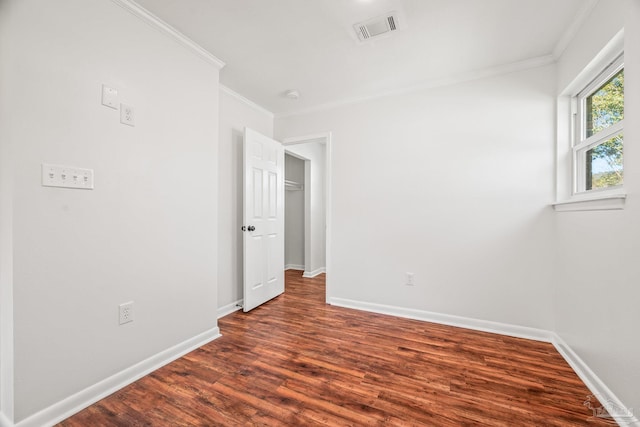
x=377 y=27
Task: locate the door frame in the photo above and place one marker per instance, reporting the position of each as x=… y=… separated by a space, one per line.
x=323 y=137
x=7 y=346
x=306 y=214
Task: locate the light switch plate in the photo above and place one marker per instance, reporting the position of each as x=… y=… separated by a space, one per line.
x=109 y=97
x=67 y=177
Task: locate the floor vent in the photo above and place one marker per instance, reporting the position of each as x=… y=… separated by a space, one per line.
x=377 y=27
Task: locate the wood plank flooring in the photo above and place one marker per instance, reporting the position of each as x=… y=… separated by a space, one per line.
x=296 y=361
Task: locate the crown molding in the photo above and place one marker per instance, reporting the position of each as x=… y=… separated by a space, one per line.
x=540 y=61
x=149 y=18
x=246 y=101
x=573 y=28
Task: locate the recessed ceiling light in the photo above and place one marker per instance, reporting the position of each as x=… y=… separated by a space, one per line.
x=292 y=94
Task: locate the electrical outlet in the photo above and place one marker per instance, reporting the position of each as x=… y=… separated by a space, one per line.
x=126 y=312
x=127 y=115
x=410 y=281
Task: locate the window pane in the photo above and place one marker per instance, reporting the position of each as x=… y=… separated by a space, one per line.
x=605 y=107
x=604 y=164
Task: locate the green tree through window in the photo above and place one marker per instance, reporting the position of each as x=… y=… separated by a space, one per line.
x=604 y=108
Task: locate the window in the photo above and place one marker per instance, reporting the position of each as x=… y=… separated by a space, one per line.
x=598 y=137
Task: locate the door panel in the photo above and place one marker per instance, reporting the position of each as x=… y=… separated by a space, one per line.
x=263 y=218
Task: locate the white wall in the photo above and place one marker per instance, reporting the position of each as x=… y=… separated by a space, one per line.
x=235 y=114
x=6 y=241
x=597 y=290
x=147 y=233
x=315 y=203
x=604 y=21
x=294 y=214
x=452 y=184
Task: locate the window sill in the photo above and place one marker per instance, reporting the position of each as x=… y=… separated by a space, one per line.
x=598 y=202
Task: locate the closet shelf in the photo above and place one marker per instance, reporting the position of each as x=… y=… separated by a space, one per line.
x=293 y=185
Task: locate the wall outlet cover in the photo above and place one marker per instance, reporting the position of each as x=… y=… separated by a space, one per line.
x=127 y=115
x=410 y=279
x=126 y=312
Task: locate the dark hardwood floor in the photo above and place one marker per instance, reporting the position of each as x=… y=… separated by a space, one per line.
x=296 y=361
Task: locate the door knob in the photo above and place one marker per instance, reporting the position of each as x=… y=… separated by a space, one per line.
x=251 y=228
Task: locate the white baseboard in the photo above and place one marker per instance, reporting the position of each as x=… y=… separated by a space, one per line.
x=90 y=395
x=230 y=308
x=77 y=402
x=447 y=319
x=622 y=415
x=294 y=267
x=314 y=273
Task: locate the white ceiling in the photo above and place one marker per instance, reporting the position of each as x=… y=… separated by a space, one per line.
x=271 y=46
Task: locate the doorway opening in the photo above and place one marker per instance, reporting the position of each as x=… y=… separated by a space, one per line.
x=307 y=205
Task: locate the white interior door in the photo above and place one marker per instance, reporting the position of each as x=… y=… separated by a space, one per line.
x=263 y=219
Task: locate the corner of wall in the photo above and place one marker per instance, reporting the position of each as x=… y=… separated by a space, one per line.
x=77 y=402
x=6 y=268
x=614 y=406
x=235 y=113
x=4 y=421
x=39 y=387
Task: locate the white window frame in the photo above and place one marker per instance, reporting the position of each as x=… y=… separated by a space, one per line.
x=567 y=199
x=580 y=142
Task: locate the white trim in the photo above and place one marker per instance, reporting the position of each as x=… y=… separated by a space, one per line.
x=294 y=267
x=566 y=133
x=314 y=273
x=328 y=216
x=593 y=383
x=229 y=308
x=327 y=137
x=583 y=143
x=607 y=73
x=588 y=377
x=79 y=401
x=573 y=28
x=609 y=53
x=149 y=18
x=306 y=138
x=75 y=403
x=6 y=282
x=448 y=319
x=454 y=79
x=600 y=137
x=599 y=201
x=245 y=101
